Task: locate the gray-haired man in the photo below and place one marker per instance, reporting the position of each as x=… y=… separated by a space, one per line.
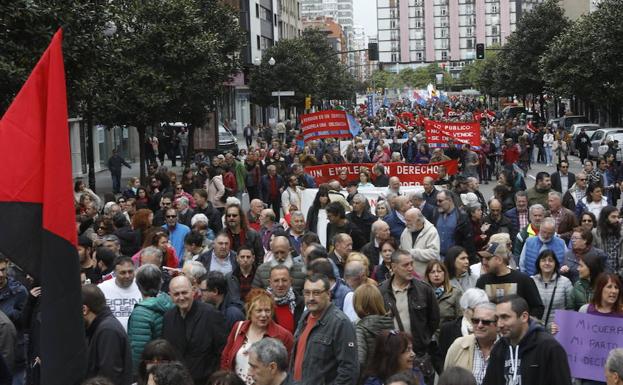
x=268 y=363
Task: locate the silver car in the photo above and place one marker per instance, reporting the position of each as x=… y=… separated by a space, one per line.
x=600 y=137
x=589 y=128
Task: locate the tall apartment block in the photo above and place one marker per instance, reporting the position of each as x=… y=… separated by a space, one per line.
x=339 y=10
x=414 y=32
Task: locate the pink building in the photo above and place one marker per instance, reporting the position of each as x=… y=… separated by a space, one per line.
x=446 y=31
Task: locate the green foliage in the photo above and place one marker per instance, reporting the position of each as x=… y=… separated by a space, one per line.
x=408 y=77
x=168 y=61
x=27 y=28
x=515 y=70
x=586 y=59
x=307 y=65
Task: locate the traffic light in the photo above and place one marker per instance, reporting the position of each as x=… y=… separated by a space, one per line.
x=480 y=51
x=373 y=51
x=308 y=102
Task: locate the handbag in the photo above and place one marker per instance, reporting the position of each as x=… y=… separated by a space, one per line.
x=551 y=301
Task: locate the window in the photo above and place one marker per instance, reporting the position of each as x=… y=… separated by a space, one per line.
x=258 y=41
x=257 y=10
x=444 y=55
x=419 y=56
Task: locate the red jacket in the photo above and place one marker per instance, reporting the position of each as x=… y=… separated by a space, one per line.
x=234 y=343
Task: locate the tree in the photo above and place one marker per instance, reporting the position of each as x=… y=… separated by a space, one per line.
x=307 y=65
x=517 y=65
x=472 y=72
x=586 y=59
x=169 y=63
x=28 y=26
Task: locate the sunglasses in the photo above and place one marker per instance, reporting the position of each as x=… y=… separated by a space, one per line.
x=171 y=216
x=485 y=322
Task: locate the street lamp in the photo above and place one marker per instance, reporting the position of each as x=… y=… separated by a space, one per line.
x=271 y=62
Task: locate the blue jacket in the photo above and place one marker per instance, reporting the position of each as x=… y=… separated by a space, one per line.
x=265 y=187
x=177 y=238
x=13 y=299
x=396 y=226
x=338 y=293
x=531 y=249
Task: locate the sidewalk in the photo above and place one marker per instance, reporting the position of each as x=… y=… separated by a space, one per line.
x=103 y=180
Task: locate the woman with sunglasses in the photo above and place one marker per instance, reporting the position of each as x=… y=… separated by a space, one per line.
x=393 y=354
x=555 y=289
x=180 y=192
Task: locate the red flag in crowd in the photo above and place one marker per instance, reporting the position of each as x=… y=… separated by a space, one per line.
x=530 y=127
x=37 y=204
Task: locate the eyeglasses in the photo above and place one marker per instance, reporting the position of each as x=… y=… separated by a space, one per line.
x=485 y=322
x=312 y=293
x=231 y=215
x=170 y=216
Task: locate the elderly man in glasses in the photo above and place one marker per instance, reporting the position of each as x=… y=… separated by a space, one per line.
x=576 y=192
x=177 y=231
x=472 y=351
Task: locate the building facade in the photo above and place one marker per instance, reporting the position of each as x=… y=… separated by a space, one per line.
x=341 y=11
x=426 y=31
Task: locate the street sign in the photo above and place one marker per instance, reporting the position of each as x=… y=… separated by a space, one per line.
x=283 y=93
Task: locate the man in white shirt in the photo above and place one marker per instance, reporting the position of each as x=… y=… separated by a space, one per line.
x=122 y=293
x=291 y=197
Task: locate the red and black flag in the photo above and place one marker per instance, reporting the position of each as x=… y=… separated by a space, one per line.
x=37 y=220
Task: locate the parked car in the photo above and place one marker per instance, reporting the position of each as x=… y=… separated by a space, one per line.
x=553 y=124
x=226 y=141
x=511 y=112
x=589 y=128
x=568 y=121
x=600 y=136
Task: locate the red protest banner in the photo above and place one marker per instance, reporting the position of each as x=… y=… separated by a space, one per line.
x=325 y=124
x=438 y=133
x=409 y=174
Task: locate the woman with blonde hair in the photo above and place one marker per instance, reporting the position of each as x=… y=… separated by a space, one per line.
x=259 y=307
x=370 y=308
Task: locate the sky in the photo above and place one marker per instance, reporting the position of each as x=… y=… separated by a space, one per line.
x=365 y=14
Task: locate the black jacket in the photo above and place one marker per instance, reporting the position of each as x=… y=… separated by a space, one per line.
x=363 y=222
x=423 y=311
x=128 y=239
x=542 y=360
x=556 y=184
x=199 y=338
x=331 y=352
x=372 y=252
x=381 y=181
x=109 y=353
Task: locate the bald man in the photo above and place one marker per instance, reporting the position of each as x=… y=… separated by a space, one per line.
x=381 y=232
x=281 y=251
x=420 y=239
x=196 y=330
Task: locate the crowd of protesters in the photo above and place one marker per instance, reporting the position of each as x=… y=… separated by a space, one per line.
x=182 y=285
